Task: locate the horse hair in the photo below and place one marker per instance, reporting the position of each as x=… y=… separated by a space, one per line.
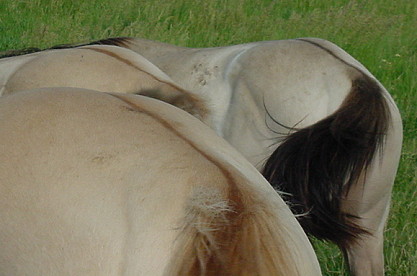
x=317 y=165
x=232 y=234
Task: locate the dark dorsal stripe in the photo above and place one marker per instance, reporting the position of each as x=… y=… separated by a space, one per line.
x=332 y=54
x=115 y=41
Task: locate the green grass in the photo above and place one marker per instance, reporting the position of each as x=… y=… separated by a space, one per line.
x=379 y=33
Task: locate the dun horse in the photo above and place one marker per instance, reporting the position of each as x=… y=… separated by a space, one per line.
x=329 y=132
x=95 y=183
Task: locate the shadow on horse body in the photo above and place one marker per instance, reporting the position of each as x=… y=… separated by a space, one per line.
x=112 y=184
x=330 y=132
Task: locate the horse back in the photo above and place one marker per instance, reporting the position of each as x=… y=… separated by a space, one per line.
x=99 y=67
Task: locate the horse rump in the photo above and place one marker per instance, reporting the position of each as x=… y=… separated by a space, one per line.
x=316 y=166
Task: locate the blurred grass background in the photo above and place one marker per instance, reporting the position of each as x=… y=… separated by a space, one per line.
x=379 y=33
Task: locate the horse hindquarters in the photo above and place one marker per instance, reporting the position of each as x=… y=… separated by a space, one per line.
x=235 y=224
x=111 y=184
x=331 y=168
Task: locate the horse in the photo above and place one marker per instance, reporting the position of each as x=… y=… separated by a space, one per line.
x=318 y=125
x=96 y=183
x=101 y=67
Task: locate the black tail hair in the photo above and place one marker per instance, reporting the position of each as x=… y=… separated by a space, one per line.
x=317 y=165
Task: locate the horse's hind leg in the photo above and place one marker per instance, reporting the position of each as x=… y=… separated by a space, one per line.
x=370 y=201
x=365 y=254
x=366 y=257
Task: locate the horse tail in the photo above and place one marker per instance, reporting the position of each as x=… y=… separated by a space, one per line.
x=234 y=233
x=316 y=166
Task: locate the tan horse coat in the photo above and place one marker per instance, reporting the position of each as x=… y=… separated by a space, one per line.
x=109 y=184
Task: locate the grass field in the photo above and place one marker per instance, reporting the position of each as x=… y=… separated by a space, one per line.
x=379 y=33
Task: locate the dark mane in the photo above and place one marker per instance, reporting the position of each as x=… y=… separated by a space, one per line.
x=115 y=41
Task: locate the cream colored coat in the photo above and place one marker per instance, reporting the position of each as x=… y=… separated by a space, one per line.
x=109 y=184
x=98 y=67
